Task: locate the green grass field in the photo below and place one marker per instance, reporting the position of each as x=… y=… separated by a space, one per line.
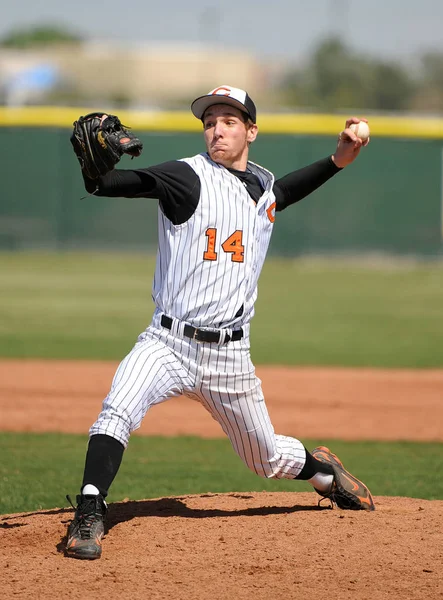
x=37 y=471
x=309 y=312
x=320 y=312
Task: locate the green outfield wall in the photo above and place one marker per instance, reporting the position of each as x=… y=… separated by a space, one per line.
x=388 y=201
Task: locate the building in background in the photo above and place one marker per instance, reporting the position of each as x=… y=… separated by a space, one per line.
x=141 y=76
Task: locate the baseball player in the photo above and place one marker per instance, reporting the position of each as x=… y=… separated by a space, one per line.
x=216 y=214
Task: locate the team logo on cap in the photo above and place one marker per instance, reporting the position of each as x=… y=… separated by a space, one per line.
x=218 y=91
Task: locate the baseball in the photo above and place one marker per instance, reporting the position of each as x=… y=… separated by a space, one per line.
x=361 y=130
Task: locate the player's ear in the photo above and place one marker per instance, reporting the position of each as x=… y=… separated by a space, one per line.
x=252 y=132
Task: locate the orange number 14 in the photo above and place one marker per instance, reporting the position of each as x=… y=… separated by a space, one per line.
x=232 y=245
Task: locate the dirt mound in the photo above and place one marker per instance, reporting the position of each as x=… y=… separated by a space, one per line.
x=232 y=546
x=263 y=546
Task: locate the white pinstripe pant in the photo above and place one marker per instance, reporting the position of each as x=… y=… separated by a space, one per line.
x=222 y=377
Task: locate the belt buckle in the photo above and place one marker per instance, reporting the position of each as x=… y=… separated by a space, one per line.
x=194 y=336
x=197 y=331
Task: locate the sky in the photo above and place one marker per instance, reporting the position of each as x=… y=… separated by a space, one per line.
x=285 y=29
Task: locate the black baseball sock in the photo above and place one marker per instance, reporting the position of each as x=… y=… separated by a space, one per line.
x=313 y=466
x=103 y=460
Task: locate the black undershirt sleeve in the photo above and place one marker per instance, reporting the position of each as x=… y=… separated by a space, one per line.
x=297 y=185
x=175 y=184
x=177 y=187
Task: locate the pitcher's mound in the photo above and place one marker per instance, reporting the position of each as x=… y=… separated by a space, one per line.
x=259 y=546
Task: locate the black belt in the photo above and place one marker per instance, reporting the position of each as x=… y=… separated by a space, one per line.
x=203 y=335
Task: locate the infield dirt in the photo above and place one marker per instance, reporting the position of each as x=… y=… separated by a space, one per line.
x=238 y=546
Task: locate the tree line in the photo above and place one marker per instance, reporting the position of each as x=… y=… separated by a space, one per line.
x=335 y=77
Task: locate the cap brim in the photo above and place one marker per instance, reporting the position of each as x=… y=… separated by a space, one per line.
x=199 y=105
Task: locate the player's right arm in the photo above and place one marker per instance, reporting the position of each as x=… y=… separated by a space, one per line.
x=117 y=183
x=175 y=184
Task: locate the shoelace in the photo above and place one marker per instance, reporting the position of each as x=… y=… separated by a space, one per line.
x=85 y=516
x=328 y=499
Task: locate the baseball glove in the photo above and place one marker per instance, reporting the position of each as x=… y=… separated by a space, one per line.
x=100 y=140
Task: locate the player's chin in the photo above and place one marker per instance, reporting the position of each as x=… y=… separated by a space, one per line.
x=218 y=156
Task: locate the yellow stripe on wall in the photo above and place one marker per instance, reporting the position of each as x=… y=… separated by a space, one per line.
x=180 y=121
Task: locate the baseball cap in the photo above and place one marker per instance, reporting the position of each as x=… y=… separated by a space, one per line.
x=225 y=94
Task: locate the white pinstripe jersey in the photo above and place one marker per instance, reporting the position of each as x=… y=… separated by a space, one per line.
x=208 y=267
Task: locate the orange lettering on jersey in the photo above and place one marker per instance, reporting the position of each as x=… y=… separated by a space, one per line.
x=271 y=215
x=234 y=245
x=210 y=253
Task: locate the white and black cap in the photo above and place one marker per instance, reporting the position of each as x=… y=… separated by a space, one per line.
x=225 y=94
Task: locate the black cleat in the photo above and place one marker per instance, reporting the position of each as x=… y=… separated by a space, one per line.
x=347 y=491
x=87 y=529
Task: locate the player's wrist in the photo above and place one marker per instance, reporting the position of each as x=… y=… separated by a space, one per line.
x=336 y=162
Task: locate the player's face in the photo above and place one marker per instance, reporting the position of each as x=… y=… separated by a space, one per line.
x=227 y=136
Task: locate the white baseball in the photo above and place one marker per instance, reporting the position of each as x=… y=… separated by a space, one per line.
x=361 y=130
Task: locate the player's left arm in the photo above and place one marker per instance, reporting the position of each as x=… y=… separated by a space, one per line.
x=297 y=185
x=349 y=144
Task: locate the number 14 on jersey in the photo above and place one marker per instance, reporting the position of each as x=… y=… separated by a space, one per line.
x=233 y=245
